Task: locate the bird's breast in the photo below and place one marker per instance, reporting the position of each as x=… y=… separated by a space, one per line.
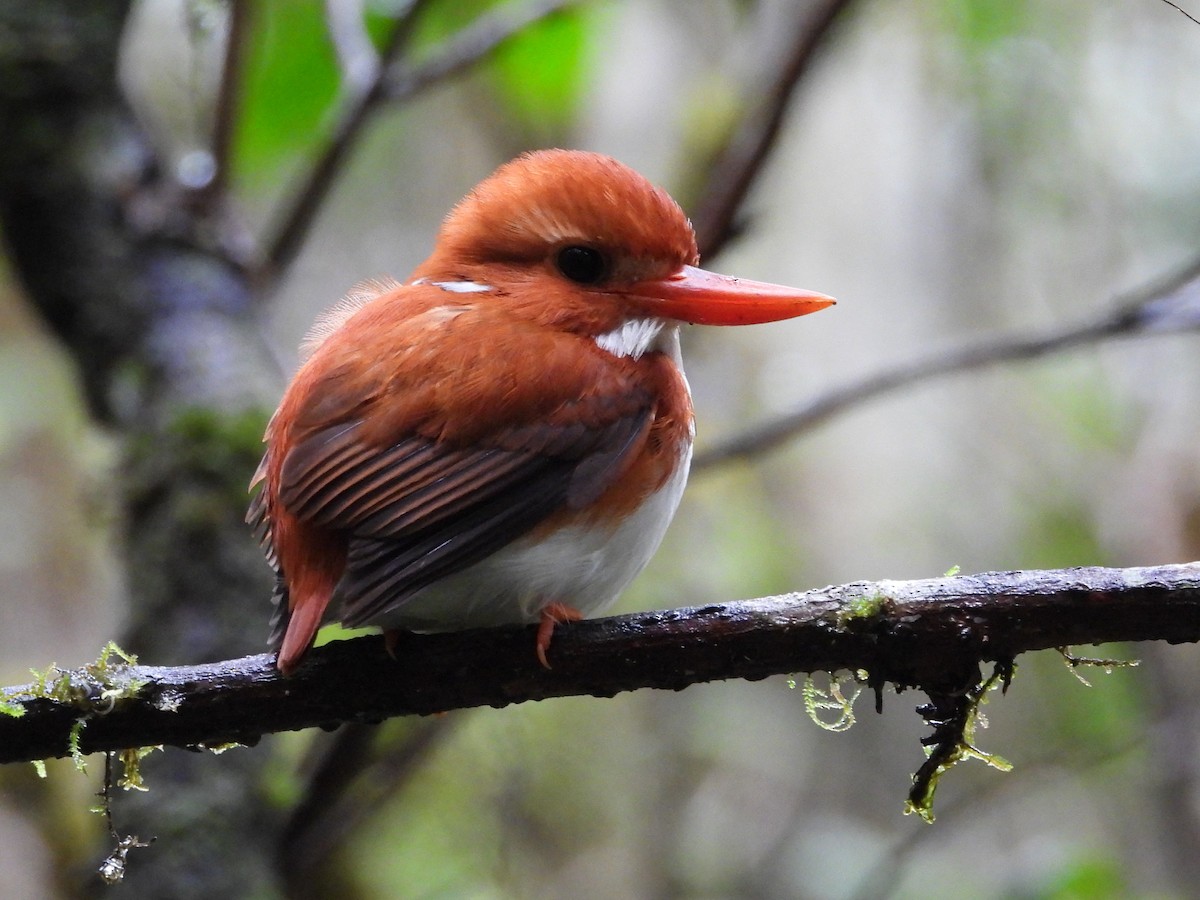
x=581 y=557
x=668 y=446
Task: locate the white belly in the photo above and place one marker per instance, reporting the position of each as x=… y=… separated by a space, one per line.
x=586 y=568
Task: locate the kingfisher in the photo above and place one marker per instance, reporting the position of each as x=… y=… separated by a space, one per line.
x=505 y=436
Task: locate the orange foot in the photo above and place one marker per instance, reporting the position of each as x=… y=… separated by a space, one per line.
x=552 y=615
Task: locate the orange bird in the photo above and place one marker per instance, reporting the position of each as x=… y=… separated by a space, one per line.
x=505 y=436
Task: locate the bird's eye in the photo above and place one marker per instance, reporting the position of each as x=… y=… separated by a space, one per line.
x=583 y=265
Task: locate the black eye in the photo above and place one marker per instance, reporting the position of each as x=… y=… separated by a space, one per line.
x=583 y=265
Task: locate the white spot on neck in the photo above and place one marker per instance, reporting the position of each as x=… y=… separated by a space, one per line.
x=636 y=337
x=456 y=287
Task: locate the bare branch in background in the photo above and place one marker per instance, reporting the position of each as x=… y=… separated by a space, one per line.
x=225 y=120
x=1166 y=307
x=359 y=101
x=922 y=634
x=361 y=770
x=1182 y=10
x=472 y=44
x=1172 y=745
x=733 y=173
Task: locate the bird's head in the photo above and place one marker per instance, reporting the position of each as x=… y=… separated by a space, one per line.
x=580 y=241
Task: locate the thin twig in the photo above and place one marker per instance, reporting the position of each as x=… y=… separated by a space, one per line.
x=1166 y=307
x=359 y=773
x=1171 y=743
x=735 y=170
x=1182 y=10
x=225 y=119
x=474 y=43
x=358 y=102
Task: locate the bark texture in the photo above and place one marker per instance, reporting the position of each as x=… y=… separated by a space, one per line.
x=120 y=265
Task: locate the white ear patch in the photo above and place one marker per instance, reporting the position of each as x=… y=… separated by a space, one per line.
x=462 y=287
x=632 y=338
x=334 y=317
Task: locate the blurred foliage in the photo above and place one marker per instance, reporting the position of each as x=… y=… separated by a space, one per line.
x=977 y=25
x=538 y=78
x=1088 y=878
x=292 y=80
x=1059 y=533
x=508 y=792
x=212 y=450
x=1089 y=417
x=1107 y=712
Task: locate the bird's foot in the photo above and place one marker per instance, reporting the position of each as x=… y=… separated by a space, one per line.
x=553 y=614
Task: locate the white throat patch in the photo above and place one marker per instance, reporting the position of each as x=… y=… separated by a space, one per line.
x=632 y=338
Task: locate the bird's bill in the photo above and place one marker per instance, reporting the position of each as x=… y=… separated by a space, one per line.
x=706 y=298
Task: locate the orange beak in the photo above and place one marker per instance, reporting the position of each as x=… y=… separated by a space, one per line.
x=706 y=298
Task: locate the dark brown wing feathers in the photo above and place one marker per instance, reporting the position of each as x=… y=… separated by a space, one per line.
x=414 y=488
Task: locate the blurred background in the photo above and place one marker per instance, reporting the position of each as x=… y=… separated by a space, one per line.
x=952 y=171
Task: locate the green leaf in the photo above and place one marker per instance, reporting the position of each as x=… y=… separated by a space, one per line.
x=540 y=75
x=290 y=81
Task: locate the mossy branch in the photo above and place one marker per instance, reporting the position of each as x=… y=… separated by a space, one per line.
x=930 y=634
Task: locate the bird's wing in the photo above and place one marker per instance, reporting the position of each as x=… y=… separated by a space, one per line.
x=453 y=441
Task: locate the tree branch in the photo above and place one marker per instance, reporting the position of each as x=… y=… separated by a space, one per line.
x=225 y=120
x=361 y=771
x=359 y=102
x=473 y=44
x=922 y=634
x=1182 y=10
x=733 y=173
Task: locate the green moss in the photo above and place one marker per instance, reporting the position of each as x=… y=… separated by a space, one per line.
x=73 y=744
x=955 y=743
x=131 y=768
x=96 y=689
x=101 y=666
x=862 y=608
x=214 y=432
x=818 y=701
x=1106 y=664
x=10 y=708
